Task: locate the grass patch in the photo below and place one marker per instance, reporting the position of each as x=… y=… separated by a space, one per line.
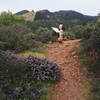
x=27 y=53
x=39 y=52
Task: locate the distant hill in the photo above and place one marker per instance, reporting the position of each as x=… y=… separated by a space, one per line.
x=28 y=15
x=44 y=14
x=22 y=12
x=46 y=18
x=68 y=18
x=70 y=15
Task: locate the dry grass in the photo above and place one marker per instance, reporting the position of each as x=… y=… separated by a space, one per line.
x=29 y=16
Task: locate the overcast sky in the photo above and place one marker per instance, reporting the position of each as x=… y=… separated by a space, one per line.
x=87 y=7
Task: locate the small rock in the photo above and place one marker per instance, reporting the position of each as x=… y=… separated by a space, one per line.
x=73 y=53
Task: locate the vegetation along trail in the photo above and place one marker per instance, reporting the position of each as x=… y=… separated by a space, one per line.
x=70 y=86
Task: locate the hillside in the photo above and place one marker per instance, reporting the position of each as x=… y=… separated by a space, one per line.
x=22 y=12
x=71 y=15
x=28 y=15
x=33 y=60
x=45 y=18
x=68 y=18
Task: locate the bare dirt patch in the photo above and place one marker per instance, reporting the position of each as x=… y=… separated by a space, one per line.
x=71 y=85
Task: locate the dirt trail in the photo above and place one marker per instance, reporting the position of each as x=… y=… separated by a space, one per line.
x=70 y=85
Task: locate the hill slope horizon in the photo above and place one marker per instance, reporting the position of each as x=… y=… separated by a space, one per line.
x=69 y=18
x=44 y=10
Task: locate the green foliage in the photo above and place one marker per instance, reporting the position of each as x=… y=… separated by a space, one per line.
x=11 y=68
x=16 y=37
x=80 y=32
x=15 y=81
x=69 y=35
x=75 y=32
x=68 y=18
x=90 y=56
x=7 y=18
x=27 y=53
x=96 y=89
x=94 y=40
x=91 y=36
x=44 y=35
x=42 y=23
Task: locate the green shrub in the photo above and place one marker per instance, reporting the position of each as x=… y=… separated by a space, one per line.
x=80 y=32
x=69 y=35
x=90 y=57
x=44 y=35
x=16 y=38
x=75 y=32
x=94 y=40
x=23 y=78
x=7 y=18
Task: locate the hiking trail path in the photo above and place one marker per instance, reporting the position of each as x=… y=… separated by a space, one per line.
x=71 y=85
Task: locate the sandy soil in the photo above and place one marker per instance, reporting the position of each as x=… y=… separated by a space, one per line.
x=71 y=85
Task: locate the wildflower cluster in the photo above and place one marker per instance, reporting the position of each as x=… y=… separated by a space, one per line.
x=22 y=78
x=41 y=69
x=24 y=92
x=7 y=56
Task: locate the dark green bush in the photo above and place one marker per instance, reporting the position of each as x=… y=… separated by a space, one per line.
x=80 y=32
x=69 y=35
x=44 y=35
x=16 y=38
x=75 y=32
x=87 y=32
x=7 y=18
x=90 y=56
x=14 y=35
x=94 y=40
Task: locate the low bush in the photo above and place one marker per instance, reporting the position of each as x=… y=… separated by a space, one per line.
x=44 y=35
x=69 y=35
x=7 y=18
x=44 y=70
x=94 y=40
x=90 y=57
x=25 y=78
x=16 y=38
x=79 y=32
